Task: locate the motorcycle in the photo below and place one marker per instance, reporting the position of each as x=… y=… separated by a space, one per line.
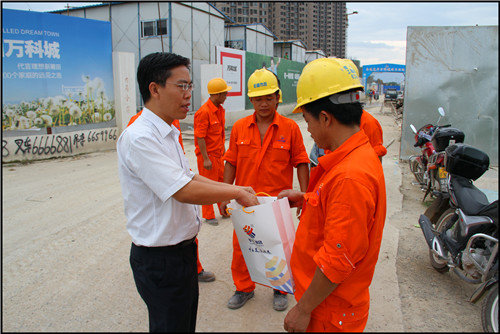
x=428 y=167
x=465 y=236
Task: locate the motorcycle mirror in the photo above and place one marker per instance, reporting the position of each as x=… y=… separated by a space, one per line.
x=441 y=111
x=413 y=128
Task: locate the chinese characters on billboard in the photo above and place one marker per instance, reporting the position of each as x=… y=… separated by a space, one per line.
x=57 y=70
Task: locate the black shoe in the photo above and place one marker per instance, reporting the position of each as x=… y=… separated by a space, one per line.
x=239 y=299
x=280 y=301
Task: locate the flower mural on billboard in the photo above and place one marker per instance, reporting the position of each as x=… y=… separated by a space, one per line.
x=57 y=71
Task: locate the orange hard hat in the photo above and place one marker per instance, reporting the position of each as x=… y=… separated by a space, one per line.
x=218 y=85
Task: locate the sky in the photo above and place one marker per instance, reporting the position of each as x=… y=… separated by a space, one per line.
x=377 y=34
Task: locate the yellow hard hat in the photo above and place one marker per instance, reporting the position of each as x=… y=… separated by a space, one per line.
x=218 y=85
x=350 y=62
x=324 y=77
x=281 y=96
x=262 y=82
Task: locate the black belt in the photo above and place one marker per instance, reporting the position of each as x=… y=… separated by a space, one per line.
x=171 y=247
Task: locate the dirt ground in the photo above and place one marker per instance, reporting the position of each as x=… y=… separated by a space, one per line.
x=65 y=255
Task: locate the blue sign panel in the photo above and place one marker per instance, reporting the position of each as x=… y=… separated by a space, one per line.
x=57 y=70
x=392 y=68
x=386 y=87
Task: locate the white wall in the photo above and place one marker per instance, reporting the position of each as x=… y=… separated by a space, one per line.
x=196 y=29
x=124 y=87
x=207 y=73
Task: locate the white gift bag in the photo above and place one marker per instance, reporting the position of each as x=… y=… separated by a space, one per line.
x=266 y=234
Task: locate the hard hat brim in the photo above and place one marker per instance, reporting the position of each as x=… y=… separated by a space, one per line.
x=298 y=108
x=263 y=92
x=222 y=91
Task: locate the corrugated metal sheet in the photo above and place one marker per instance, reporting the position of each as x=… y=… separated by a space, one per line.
x=455 y=68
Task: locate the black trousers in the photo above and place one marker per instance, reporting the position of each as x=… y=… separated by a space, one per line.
x=167 y=280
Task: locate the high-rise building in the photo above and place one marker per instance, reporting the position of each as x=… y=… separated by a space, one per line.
x=320 y=25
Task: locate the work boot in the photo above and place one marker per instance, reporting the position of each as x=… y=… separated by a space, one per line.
x=280 y=301
x=239 y=299
x=212 y=221
x=206 y=276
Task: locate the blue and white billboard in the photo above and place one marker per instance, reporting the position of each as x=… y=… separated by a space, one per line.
x=56 y=70
x=390 y=68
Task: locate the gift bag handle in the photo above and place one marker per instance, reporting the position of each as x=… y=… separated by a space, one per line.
x=243 y=208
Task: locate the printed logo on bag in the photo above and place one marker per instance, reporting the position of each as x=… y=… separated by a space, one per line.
x=248 y=230
x=278 y=275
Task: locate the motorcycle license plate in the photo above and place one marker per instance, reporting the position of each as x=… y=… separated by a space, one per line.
x=442 y=173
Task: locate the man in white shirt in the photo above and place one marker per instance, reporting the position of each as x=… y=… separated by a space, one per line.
x=161 y=196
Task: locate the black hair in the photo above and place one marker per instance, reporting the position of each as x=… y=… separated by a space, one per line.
x=346 y=114
x=156 y=67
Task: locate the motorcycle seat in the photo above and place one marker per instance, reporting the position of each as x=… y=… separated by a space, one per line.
x=491 y=211
x=470 y=199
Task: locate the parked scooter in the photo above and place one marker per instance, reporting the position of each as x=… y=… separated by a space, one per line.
x=465 y=237
x=428 y=167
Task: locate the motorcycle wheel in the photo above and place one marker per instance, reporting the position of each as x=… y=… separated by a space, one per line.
x=438 y=264
x=489 y=311
x=417 y=169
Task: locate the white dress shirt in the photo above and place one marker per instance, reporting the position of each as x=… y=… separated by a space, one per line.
x=152 y=167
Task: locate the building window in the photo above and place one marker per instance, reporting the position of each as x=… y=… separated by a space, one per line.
x=161 y=27
x=154 y=28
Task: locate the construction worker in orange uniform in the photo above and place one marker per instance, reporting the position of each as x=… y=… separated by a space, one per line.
x=338 y=239
x=373 y=131
x=203 y=276
x=209 y=137
x=263 y=150
x=371 y=126
x=368 y=124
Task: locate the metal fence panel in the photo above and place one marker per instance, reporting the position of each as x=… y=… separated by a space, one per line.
x=455 y=68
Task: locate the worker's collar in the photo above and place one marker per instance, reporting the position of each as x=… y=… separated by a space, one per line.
x=331 y=159
x=212 y=107
x=276 y=119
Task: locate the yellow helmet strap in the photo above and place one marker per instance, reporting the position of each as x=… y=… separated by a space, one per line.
x=344 y=98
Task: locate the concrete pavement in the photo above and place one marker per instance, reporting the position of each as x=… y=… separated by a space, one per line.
x=65 y=250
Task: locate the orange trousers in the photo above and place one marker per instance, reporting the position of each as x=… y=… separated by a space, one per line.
x=241 y=276
x=215 y=174
x=328 y=327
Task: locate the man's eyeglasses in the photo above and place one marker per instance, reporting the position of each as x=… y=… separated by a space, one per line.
x=184 y=86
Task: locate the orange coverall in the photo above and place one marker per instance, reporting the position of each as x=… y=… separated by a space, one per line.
x=177 y=124
x=340 y=232
x=209 y=123
x=373 y=130
x=266 y=166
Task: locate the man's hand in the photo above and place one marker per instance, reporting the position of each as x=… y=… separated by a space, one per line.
x=249 y=189
x=207 y=164
x=223 y=209
x=247 y=199
x=295 y=197
x=296 y=320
